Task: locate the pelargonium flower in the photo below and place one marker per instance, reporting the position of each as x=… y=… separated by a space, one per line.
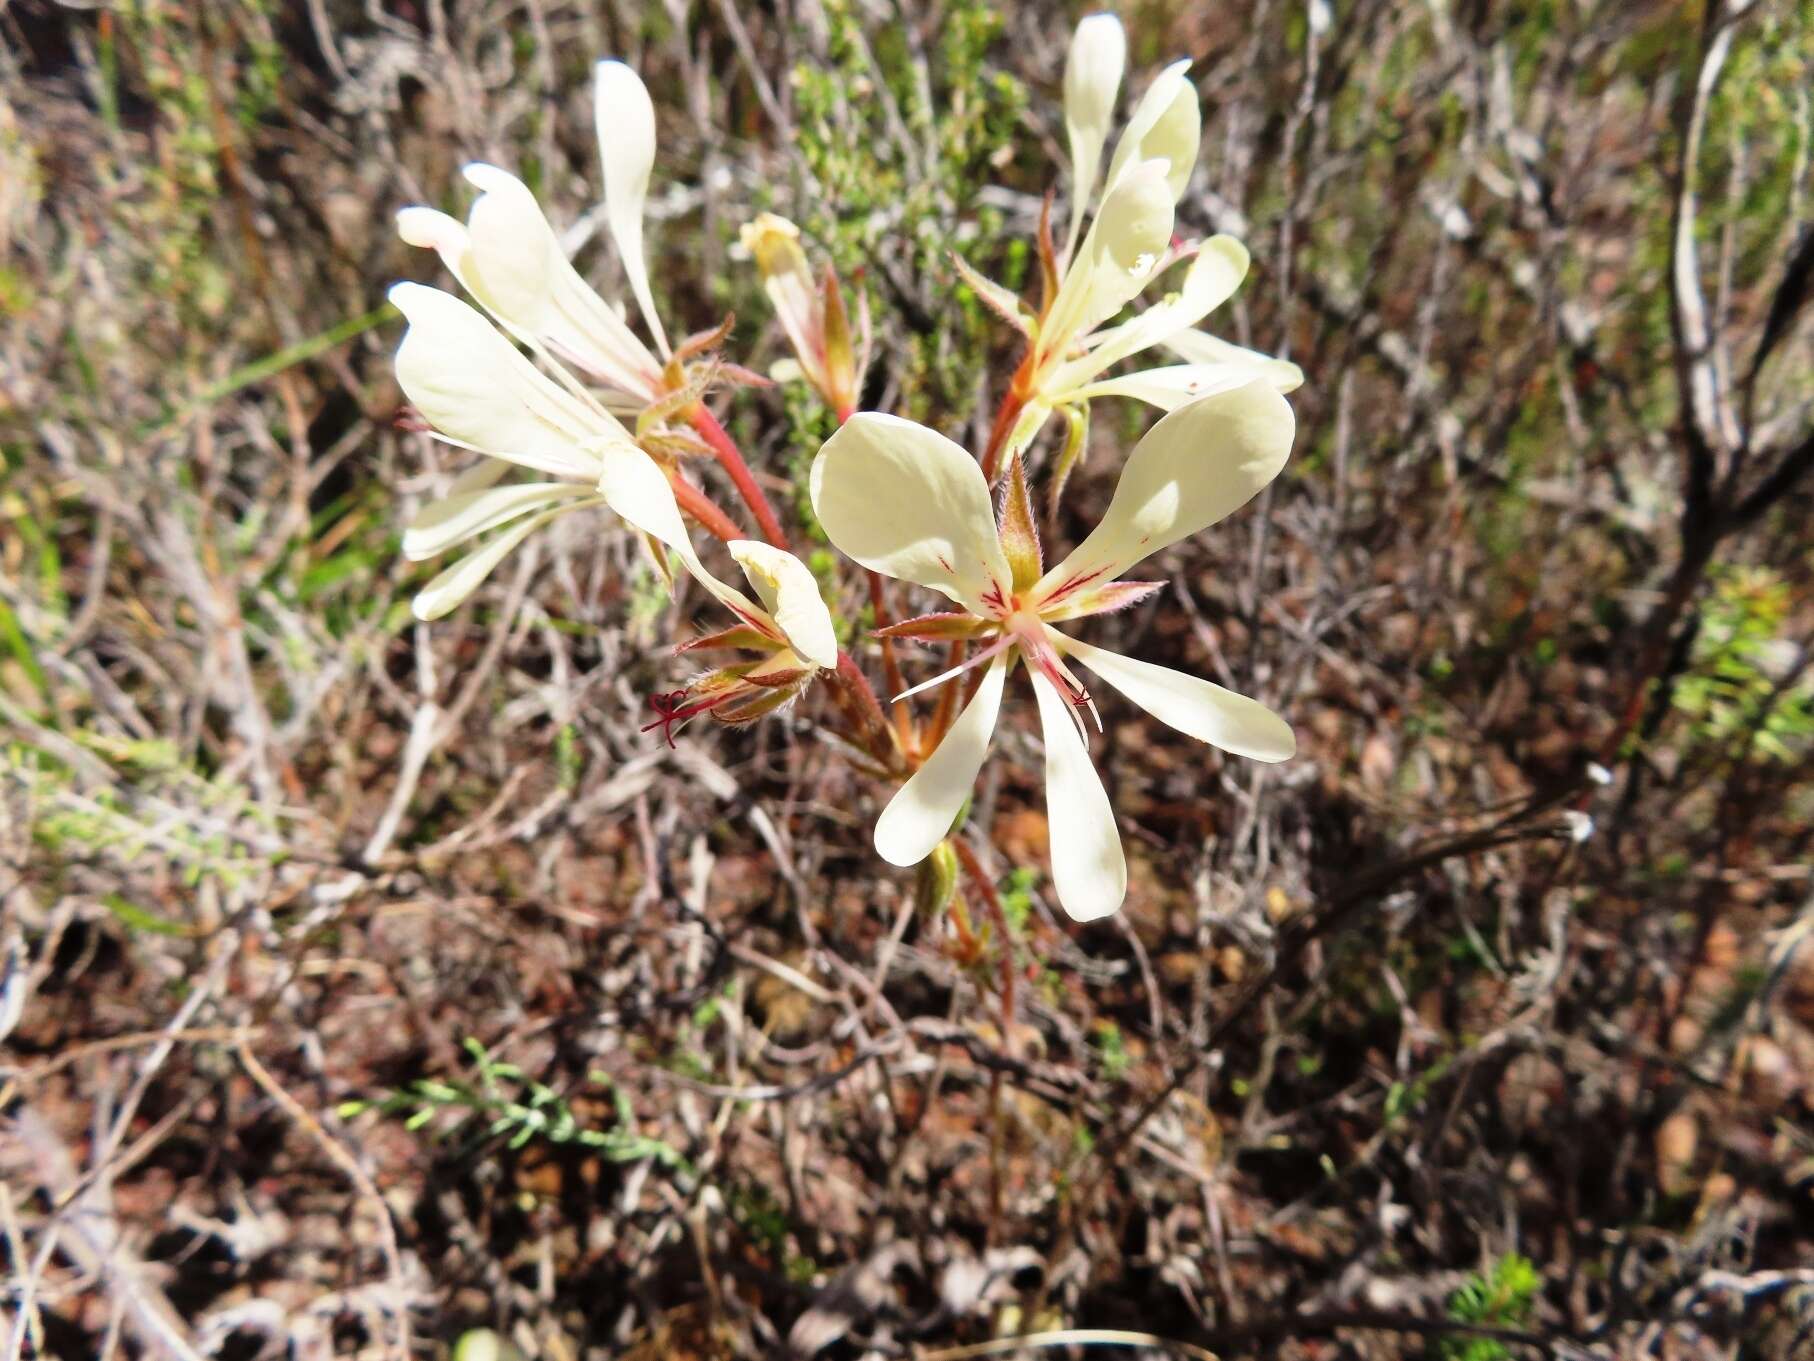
x=812 y=313
x=1127 y=247
x=477 y=391
x=509 y=259
x=791 y=631
x=905 y=501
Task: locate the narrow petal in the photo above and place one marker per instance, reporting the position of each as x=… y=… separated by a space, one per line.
x=1170 y=387
x=1088 y=868
x=922 y=810
x=1092 y=80
x=487 y=472
x=519 y=272
x=789 y=591
x=634 y=486
x=452 y=520
x=1194 y=707
x=1128 y=237
x=626 y=145
x=1198 y=464
x=448 y=590
x=1199 y=347
x=907 y=502
x=475 y=387
x=1166 y=126
x=1215 y=272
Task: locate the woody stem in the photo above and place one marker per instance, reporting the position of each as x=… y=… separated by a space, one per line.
x=725 y=450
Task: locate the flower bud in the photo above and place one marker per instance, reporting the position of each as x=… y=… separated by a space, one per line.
x=937 y=880
x=811 y=311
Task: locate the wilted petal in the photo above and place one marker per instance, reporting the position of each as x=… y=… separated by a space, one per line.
x=452 y=586
x=922 y=810
x=1215 y=272
x=1195 y=707
x=1166 y=126
x=518 y=270
x=789 y=592
x=454 y=519
x=1170 y=387
x=473 y=386
x=1132 y=228
x=1199 y=347
x=1088 y=868
x=1198 y=464
x=1092 y=80
x=626 y=145
x=907 y=502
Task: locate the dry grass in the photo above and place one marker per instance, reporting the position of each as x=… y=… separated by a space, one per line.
x=1374 y=1023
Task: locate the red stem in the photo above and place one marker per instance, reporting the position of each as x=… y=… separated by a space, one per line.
x=725 y=450
x=703 y=509
x=1005 y=415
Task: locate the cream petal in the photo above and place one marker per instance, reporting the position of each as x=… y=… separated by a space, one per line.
x=920 y=814
x=1166 y=126
x=473 y=386
x=487 y=472
x=452 y=520
x=1092 y=80
x=1215 y=272
x=907 y=502
x=1132 y=229
x=1169 y=387
x=1032 y=419
x=449 y=589
x=518 y=271
x=1089 y=871
x=434 y=230
x=790 y=593
x=634 y=486
x=1196 y=465
x=1199 y=347
x=626 y=144
x=1197 y=708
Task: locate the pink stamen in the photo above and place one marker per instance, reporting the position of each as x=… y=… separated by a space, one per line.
x=994 y=650
x=672 y=711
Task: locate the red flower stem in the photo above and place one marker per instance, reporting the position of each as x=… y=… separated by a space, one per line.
x=725 y=450
x=703 y=509
x=1005 y=415
x=862 y=711
x=891 y=665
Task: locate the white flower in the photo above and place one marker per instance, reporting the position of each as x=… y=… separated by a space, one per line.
x=791 y=630
x=1128 y=246
x=907 y=502
x=508 y=257
x=478 y=392
x=1092 y=80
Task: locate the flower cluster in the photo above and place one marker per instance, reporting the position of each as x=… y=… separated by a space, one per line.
x=568 y=408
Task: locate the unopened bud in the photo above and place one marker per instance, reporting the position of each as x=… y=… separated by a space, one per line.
x=937 y=880
x=812 y=312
